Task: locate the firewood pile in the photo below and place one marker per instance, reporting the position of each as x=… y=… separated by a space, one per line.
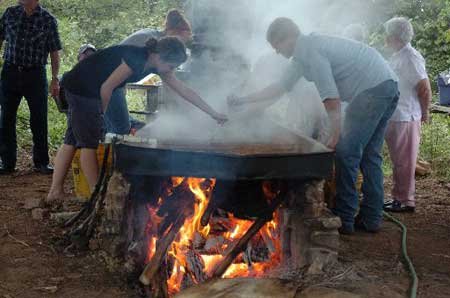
x=165 y=263
x=172 y=233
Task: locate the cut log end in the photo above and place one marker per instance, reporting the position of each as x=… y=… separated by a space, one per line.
x=144 y=280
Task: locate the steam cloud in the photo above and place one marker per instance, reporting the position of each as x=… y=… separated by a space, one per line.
x=247 y=63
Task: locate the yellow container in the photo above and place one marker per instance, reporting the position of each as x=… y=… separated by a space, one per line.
x=81 y=185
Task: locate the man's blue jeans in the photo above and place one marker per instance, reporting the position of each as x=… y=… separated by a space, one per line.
x=117 y=117
x=360 y=148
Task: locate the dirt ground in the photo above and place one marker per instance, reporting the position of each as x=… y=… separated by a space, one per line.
x=33 y=264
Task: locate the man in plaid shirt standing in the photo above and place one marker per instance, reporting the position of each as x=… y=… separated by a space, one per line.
x=30 y=33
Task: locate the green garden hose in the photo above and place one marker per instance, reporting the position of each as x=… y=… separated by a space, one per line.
x=412 y=271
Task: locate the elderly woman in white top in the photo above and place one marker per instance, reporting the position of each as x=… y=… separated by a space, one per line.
x=403 y=132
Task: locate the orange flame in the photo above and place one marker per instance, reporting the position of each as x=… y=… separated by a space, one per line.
x=192 y=229
x=151 y=230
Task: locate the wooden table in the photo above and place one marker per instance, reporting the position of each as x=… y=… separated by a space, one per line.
x=435 y=108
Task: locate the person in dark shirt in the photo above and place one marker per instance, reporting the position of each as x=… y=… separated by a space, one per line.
x=31 y=34
x=66 y=152
x=117 y=118
x=90 y=83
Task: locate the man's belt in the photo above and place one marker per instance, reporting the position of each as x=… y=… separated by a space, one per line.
x=22 y=68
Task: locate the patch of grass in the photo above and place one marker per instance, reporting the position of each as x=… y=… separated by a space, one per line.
x=435 y=145
x=56 y=126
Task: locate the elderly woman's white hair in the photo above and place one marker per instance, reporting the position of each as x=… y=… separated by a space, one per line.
x=400 y=28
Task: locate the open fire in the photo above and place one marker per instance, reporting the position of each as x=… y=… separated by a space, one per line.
x=256 y=210
x=201 y=243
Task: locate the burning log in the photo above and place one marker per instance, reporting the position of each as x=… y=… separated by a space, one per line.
x=181 y=199
x=252 y=231
x=239 y=247
x=220 y=224
x=212 y=204
x=214 y=245
x=267 y=240
x=159 y=284
x=247 y=255
x=207 y=214
x=180 y=205
x=195 y=267
x=151 y=269
x=198 y=241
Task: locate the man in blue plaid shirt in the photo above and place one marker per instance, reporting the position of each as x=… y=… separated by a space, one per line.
x=30 y=33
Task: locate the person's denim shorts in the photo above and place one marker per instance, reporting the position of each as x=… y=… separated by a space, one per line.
x=85 y=125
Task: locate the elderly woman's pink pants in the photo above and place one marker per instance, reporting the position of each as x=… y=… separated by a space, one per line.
x=403 y=139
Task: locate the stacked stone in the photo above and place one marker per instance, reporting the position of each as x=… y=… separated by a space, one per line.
x=310 y=234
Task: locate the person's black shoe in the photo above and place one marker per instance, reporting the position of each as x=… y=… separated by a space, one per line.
x=397 y=206
x=388 y=203
x=7 y=170
x=44 y=169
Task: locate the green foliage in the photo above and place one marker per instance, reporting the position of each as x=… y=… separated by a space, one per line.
x=431 y=23
x=430 y=19
x=435 y=145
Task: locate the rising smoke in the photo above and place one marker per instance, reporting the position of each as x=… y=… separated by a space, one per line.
x=242 y=61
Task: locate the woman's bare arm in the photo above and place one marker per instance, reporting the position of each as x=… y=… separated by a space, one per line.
x=191 y=96
x=423 y=89
x=271 y=93
x=117 y=77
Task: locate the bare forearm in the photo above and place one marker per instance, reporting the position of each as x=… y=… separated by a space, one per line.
x=424 y=94
x=272 y=92
x=195 y=99
x=105 y=94
x=333 y=108
x=187 y=93
x=55 y=62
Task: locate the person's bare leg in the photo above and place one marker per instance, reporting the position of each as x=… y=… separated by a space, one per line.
x=62 y=164
x=89 y=166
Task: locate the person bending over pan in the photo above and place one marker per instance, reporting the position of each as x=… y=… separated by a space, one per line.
x=91 y=82
x=341 y=68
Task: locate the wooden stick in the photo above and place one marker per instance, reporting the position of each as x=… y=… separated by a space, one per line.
x=161 y=250
x=159 y=283
x=267 y=240
x=239 y=247
x=208 y=211
x=77 y=216
x=195 y=267
x=86 y=228
x=14 y=238
x=94 y=196
x=252 y=231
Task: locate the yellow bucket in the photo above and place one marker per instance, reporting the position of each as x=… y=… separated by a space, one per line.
x=80 y=183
